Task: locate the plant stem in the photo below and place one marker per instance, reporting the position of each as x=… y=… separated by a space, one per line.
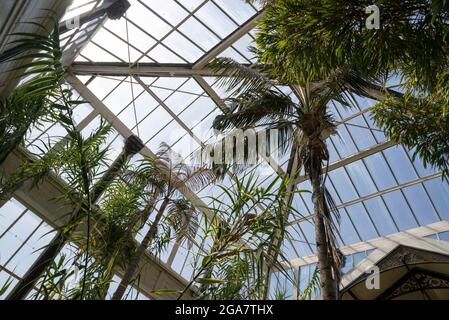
x=133 y=264
x=328 y=283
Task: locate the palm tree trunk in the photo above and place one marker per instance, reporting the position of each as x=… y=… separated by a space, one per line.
x=133 y=264
x=327 y=280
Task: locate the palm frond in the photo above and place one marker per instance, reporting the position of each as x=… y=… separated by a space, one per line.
x=237 y=78
x=256 y=109
x=45 y=54
x=313 y=286
x=332 y=225
x=183 y=218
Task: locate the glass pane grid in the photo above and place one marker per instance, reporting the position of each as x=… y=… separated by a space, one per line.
x=377 y=195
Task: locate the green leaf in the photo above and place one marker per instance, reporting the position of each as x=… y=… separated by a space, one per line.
x=64 y=119
x=6 y=286
x=210 y=280
x=205 y=261
x=165 y=291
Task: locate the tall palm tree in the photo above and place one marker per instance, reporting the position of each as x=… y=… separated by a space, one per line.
x=113 y=239
x=304 y=40
x=255 y=103
x=173 y=177
x=412 y=38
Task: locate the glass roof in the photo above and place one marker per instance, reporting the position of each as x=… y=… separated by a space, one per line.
x=377 y=186
x=171 y=32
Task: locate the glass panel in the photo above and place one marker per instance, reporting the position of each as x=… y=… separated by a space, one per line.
x=121 y=96
x=215 y=19
x=170 y=134
x=6 y=278
x=242 y=46
x=17 y=236
x=348 y=264
x=239 y=12
x=179 y=101
x=358 y=257
x=9 y=213
x=343 y=142
x=361 y=221
x=180 y=259
x=444 y=236
x=400 y=164
x=304 y=277
x=361 y=178
x=380 y=171
x=420 y=204
x=168 y=9
x=400 y=210
x=360 y=133
x=298 y=240
x=163 y=55
x=183 y=47
x=93 y=52
x=187 y=271
x=343 y=185
x=288 y=249
x=439 y=193
x=153 y=123
x=419 y=166
x=31 y=250
x=347 y=231
x=333 y=155
x=195 y=30
x=102 y=86
x=147 y=20
x=380 y=216
x=308 y=228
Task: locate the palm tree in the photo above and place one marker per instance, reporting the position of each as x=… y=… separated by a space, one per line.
x=244 y=224
x=43 y=96
x=255 y=103
x=412 y=39
x=113 y=240
x=34 y=100
x=110 y=242
x=304 y=40
x=172 y=176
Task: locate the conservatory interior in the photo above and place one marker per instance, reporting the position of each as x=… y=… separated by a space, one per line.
x=224 y=149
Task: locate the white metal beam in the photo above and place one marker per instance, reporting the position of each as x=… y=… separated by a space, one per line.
x=377 y=194
x=355 y=157
x=121 y=128
x=380 y=242
x=233 y=37
x=141 y=69
x=41 y=202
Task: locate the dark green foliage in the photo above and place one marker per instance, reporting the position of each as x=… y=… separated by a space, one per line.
x=245 y=224
x=305 y=40
x=421 y=124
